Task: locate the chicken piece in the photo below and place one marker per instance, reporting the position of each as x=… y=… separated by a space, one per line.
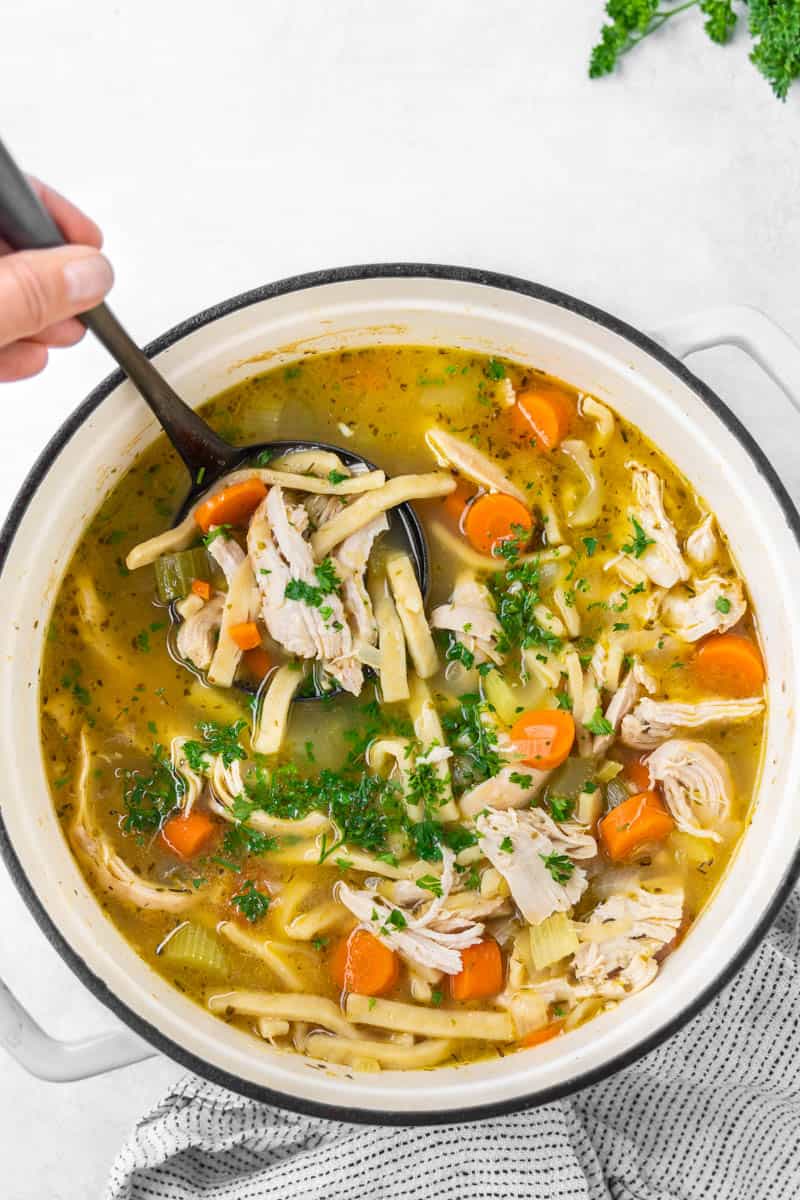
x=452 y=452
x=285 y=619
x=322 y=509
x=717 y=604
x=653 y=920
x=351 y=560
x=622 y=702
x=520 y=845
x=112 y=874
x=661 y=561
x=702 y=546
x=696 y=784
x=652 y=721
x=588 y=510
x=193 y=780
x=197 y=636
x=504 y=790
x=418 y=940
x=227 y=553
x=470 y=613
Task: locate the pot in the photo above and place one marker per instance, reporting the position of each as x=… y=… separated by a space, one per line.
x=401 y=304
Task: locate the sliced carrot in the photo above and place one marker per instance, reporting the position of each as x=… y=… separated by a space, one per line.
x=730 y=663
x=246 y=635
x=637 y=773
x=232 y=506
x=537 y=1036
x=641 y=818
x=481 y=972
x=258 y=662
x=545 y=411
x=201 y=588
x=364 y=964
x=544 y=737
x=457 y=501
x=493 y=519
x=186 y=835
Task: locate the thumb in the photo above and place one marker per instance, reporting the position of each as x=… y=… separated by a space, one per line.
x=40 y=287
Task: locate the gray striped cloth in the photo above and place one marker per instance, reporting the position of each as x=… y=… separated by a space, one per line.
x=712 y=1114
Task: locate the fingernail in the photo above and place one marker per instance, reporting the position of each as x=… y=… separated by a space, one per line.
x=88 y=278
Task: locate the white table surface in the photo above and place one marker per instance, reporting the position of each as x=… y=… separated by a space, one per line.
x=222 y=151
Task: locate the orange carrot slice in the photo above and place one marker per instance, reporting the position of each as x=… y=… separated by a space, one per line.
x=495 y=518
x=730 y=663
x=186 y=836
x=637 y=773
x=245 y=635
x=544 y=737
x=362 y=963
x=201 y=588
x=481 y=972
x=234 y=505
x=544 y=411
x=640 y=819
x=537 y=1036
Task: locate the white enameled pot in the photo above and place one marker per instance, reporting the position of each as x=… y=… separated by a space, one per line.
x=393 y=305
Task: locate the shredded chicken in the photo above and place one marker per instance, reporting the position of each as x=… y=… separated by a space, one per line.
x=696 y=783
x=623 y=702
x=452 y=452
x=702 y=546
x=227 y=553
x=520 y=844
x=470 y=613
x=197 y=635
x=416 y=938
x=351 y=563
x=661 y=561
x=193 y=781
x=653 y=721
x=113 y=875
x=653 y=920
x=717 y=604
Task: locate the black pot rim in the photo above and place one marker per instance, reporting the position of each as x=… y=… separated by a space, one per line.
x=24 y=885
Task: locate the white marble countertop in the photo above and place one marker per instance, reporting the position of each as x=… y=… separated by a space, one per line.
x=221 y=151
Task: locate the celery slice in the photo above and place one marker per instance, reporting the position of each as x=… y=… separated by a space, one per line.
x=175 y=572
x=552 y=940
x=501 y=697
x=193 y=946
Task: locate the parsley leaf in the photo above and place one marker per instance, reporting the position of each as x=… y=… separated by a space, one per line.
x=598 y=723
x=640 y=541
x=222 y=531
x=217 y=739
x=250 y=902
x=335 y=476
x=559 y=866
x=722 y=604
x=561 y=807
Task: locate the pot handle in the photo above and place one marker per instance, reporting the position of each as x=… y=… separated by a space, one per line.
x=747 y=328
x=62 y=1062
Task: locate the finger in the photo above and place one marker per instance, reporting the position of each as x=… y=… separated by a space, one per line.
x=75 y=225
x=62 y=334
x=21 y=360
x=41 y=287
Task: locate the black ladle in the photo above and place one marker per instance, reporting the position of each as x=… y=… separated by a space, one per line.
x=25 y=224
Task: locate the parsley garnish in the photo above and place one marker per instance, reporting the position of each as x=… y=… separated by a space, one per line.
x=591 y=546
x=150 y=798
x=559 y=866
x=217 y=739
x=507 y=846
x=328 y=583
x=335 y=476
x=561 y=807
x=640 y=541
x=516 y=597
x=598 y=723
x=431 y=883
x=458 y=652
x=722 y=604
x=222 y=531
x=495 y=369
x=250 y=902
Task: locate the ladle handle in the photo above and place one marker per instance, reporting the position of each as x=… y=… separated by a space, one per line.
x=26 y=225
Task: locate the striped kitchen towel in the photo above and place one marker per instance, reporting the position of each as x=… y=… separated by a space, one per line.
x=712 y=1114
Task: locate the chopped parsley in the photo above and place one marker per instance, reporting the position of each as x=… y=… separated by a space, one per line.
x=335 y=476
x=590 y=544
x=149 y=798
x=507 y=846
x=217 y=739
x=328 y=583
x=598 y=723
x=516 y=596
x=495 y=369
x=458 y=652
x=561 y=807
x=722 y=604
x=639 y=542
x=431 y=883
x=559 y=866
x=564 y=701
x=222 y=531
x=251 y=903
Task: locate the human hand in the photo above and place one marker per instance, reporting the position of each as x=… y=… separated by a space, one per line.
x=42 y=290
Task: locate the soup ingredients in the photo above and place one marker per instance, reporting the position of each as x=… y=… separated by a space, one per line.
x=730 y=664
x=516 y=792
x=640 y=819
x=363 y=964
x=481 y=973
x=495 y=519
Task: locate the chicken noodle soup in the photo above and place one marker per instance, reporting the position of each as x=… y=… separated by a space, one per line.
x=510 y=798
